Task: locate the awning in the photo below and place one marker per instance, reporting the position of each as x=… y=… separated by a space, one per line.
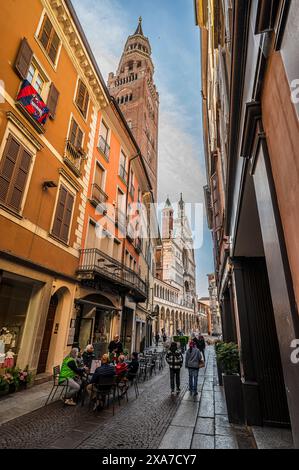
x=95 y=304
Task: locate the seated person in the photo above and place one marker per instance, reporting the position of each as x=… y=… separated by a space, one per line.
x=121 y=367
x=121 y=370
x=88 y=356
x=133 y=366
x=70 y=370
x=104 y=371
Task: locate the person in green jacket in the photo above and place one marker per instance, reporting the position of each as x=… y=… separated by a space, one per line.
x=70 y=370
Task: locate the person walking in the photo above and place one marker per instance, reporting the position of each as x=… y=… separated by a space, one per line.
x=164 y=337
x=202 y=345
x=192 y=363
x=174 y=359
x=157 y=337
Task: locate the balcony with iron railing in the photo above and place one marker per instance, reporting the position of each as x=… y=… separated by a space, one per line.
x=95 y=263
x=104 y=148
x=74 y=157
x=98 y=196
x=123 y=174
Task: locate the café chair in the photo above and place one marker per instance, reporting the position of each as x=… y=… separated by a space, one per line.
x=56 y=385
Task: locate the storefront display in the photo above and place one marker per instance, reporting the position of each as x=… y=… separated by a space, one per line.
x=15 y=295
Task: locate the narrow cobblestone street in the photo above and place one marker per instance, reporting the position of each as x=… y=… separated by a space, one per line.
x=154 y=420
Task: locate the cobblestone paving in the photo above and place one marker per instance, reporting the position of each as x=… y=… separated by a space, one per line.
x=140 y=423
x=155 y=418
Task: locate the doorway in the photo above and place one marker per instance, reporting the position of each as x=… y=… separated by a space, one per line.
x=43 y=357
x=252 y=304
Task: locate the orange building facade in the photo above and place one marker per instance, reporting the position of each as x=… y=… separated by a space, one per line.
x=61 y=174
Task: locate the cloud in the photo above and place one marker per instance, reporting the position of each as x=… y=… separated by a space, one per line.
x=179 y=169
x=106 y=26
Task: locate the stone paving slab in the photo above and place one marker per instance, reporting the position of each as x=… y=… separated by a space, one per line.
x=205 y=426
x=177 y=437
x=222 y=420
x=189 y=397
x=272 y=438
x=186 y=414
x=206 y=409
x=220 y=408
x=224 y=431
x=226 y=442
x=200 y=441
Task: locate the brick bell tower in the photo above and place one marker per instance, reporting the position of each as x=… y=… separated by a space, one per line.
x=134 y=89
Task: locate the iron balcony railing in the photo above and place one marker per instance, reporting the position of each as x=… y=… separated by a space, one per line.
x=98 y=196
x=73 y=157
x=104 y=148
x=123 y=173
x=95 y=262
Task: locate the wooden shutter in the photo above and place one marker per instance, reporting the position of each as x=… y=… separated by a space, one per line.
x=215 y=201
x=53 y=49
x=67 y=217
x=45 y=32
x=86 y=100
x=59 y=211
x=80 y=95
x=79 y=138
x=49 y=39
x=82 y=98
x=63 y=214
x=99 y=176
x=19 y=180
x=73 y=132
x=23 y=59
x=52 y=100
x=14 y=172
x=8 y=163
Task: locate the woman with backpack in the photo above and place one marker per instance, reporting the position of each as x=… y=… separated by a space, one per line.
x=193 y=363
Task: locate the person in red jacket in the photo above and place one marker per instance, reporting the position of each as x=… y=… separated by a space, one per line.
x=121 y=370
x=121 y=367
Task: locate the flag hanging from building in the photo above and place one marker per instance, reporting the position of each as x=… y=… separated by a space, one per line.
x=32 y=102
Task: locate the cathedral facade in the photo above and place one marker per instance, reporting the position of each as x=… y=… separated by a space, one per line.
x=175 y=283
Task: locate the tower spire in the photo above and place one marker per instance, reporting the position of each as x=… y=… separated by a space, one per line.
x=139 y=27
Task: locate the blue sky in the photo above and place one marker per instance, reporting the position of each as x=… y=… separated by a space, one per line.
x=174 y=38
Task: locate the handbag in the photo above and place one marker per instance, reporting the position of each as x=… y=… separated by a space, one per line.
x=201 y=364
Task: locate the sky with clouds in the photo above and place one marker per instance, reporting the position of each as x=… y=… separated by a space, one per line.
x=170 y=27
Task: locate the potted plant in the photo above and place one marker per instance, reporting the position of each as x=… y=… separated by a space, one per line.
x=4 y=386
x=218 y=347
x=24 y=377
x=183 y=340
x=9 y=378
x=228 y=356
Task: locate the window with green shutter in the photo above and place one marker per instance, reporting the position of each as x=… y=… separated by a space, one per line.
x=14 y=170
